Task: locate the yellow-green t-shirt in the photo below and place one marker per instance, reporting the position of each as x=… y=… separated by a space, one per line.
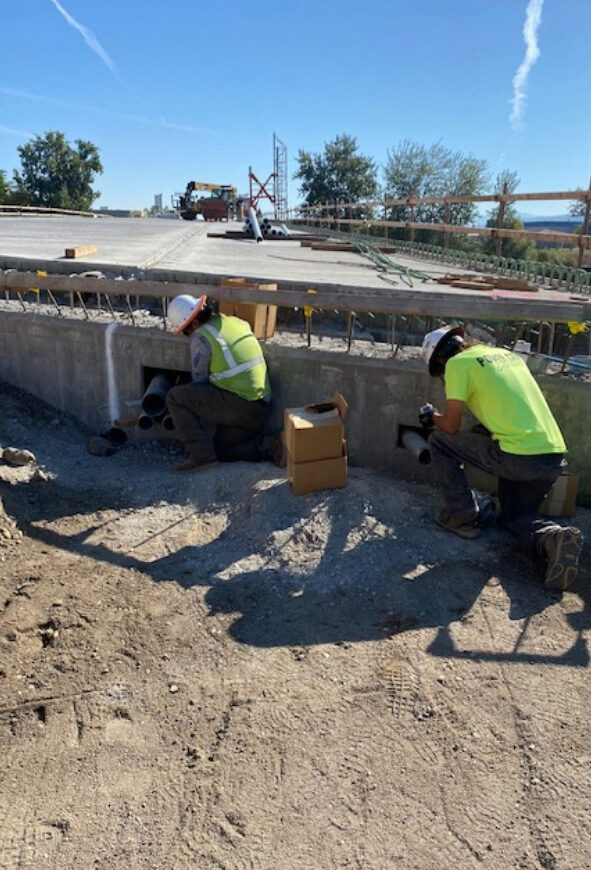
x=499 y=389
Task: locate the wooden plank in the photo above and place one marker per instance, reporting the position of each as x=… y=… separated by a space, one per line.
x=294 y=294
x=515 y=284
x=489 y=282
x=472 y=285
x=564 y=238
x=80 y=251
x=489 y=197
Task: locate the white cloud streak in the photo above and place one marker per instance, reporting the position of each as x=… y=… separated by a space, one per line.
x=88 y=37
x=11 y=131
x=533 y=17
x=134 y=119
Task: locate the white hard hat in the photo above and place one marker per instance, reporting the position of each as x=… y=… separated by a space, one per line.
x=433 y=344
x=183 y=309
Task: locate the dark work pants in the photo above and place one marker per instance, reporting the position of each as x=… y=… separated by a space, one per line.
x=217 y=424
x=523 y=481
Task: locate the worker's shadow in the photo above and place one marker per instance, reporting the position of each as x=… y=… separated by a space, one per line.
x=349 y=596
x=273 y=608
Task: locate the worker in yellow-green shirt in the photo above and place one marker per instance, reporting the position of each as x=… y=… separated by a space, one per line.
x=525 y=450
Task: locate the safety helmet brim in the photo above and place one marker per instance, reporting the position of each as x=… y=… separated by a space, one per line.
x=434 y=366
x=201 y=302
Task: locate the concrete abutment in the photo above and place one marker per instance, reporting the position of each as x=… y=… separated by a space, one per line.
x=63 y=362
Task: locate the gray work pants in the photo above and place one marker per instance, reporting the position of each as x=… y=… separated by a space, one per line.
x=217 y=424
x=523 y=481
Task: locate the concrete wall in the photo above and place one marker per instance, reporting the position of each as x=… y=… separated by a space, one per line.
x=63 y=362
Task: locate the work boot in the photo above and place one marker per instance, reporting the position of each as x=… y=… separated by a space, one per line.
x=464 y=526
x=190 y=465
x=487 y=510
x=561 y=547
x=273 y=449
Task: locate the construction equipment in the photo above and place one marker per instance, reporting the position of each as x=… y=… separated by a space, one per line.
x=219 y=205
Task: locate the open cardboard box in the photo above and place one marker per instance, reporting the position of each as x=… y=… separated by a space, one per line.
x=262 y=318
x=321 y=474
x=315 y=432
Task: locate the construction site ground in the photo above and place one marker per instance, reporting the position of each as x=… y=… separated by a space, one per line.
x=209 y=672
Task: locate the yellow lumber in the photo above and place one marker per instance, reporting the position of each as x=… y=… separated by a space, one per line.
x=80 y=251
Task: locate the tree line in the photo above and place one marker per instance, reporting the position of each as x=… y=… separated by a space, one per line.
x=53 y=174
x=342 y=175
x=57 y=174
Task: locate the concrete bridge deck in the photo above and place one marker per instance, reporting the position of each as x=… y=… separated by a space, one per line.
x=174 y=250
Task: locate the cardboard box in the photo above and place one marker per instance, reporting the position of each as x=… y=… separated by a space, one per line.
x=262 y=318
x=322 y=474
x=560 y=501
x=315 y=432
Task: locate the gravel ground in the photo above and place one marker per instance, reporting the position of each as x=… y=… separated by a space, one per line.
x=208 y=671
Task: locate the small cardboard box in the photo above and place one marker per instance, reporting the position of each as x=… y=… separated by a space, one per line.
x=322 y=474
x=560 y=501
x=315 y=432
x=262 y=318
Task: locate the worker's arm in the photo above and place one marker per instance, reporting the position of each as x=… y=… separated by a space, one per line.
x=200 y=359
x=451 y=419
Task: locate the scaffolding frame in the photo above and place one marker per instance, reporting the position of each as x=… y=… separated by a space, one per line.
x=274 y=188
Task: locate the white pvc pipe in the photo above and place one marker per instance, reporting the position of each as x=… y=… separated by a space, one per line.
x=252 y=216
x=417 y=445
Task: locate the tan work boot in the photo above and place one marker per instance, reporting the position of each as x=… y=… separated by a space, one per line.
x=561 y=547
x=465 y=527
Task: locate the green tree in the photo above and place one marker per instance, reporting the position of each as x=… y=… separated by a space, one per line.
x=56 y=175
x=4 y=188
x=8 y=194
x=577 y=208
x=520 y=249
x=420 y=171
x=340 y=174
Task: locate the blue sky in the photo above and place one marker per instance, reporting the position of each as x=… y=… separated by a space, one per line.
x=183 y=89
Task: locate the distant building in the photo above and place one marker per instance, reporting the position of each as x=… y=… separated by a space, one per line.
x=158 y=202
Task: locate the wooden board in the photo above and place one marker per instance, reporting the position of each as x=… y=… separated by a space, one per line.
x=472 y=285
x=295 y=294
x=80 y=251
x=487 y=282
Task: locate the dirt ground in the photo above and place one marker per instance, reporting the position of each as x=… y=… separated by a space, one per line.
x=210 y=672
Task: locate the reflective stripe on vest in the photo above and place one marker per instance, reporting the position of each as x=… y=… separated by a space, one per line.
x=237 y=363
x=234 y=368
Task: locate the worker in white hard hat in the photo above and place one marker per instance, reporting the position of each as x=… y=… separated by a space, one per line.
x=525 y=450
x=222 y=412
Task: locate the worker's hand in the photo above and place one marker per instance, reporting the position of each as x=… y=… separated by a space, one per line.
x=426 y=416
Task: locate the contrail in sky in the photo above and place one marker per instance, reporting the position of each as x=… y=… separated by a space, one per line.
x=135 y=119
x=89 y=38
x=533 y=17
x=12 y=132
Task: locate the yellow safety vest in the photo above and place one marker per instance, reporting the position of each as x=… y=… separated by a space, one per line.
x=237 y=361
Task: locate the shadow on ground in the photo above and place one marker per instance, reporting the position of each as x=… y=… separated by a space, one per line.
x=351 y=594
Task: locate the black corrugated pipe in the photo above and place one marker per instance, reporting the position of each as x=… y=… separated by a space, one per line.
x=116 y=436
x=145 y=422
